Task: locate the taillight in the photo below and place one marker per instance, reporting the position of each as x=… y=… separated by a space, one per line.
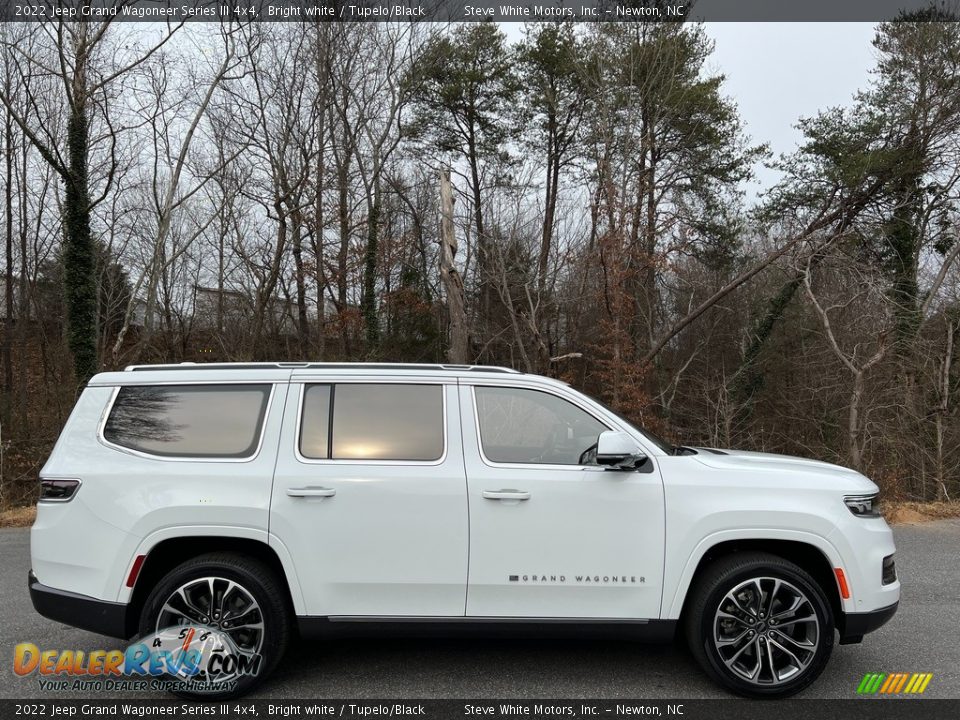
x=58 y=489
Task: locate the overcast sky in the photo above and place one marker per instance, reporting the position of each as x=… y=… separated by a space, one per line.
x=779 y=72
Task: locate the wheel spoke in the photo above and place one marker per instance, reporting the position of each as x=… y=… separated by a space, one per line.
x=771 y=598
x=213 y=597
x=795 y=605
x=168 y=608
x=733 y=641
x=729 y=616
x=186 y=601
x=221 y=606
x=801 y=646
x=757 y=596
x=741 y=608
x=239 y=621
x=766 y=653
x=755 y=671
x=796 y=621
x=740 y=652
x=245 y=642
x=783 y=648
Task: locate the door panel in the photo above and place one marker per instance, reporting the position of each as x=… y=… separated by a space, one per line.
x=556 y=540
x=373 y=537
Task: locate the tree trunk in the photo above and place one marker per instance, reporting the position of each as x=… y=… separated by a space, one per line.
x=942 y=411
x=459 y=349
x=369 y=300
x=303 y=322
x=79 y=278
x=25 y=298
x=343 y=213
x=318 y=250
x=550 y=206
x=483 y=259
x=8 y=400
x=854 y=439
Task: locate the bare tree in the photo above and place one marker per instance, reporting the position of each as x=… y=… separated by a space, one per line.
x=168 y=172
x=78 y=61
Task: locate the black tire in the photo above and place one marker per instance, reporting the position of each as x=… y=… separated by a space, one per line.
x=256 y=579
x=709 y=596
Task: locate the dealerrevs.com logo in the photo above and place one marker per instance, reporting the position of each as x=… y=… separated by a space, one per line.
x=185 y=658
x=894 y=683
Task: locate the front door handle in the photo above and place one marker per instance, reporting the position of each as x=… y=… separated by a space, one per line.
x=306 y=492
x=506 y=494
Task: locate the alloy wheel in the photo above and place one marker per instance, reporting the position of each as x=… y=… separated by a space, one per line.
x=766 y=631
x=217 y=603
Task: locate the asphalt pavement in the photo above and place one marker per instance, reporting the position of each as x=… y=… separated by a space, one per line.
x=924 y=636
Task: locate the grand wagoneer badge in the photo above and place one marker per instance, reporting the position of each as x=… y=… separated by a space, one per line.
x=579 y=579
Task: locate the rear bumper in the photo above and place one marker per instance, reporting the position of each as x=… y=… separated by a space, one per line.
x=87 y=613
x=853 y=626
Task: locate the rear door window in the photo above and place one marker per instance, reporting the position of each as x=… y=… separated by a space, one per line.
x=373 y=421
x=200 y=421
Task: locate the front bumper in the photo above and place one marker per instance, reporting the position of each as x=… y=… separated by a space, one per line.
x=80 y=611
x=853 y=626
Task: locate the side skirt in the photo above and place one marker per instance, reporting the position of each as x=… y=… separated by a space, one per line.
x=486 y=627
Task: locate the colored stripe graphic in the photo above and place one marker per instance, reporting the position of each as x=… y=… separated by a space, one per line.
x=894 y=683
x=903 y=680
x=890 y=681
x=920 y=684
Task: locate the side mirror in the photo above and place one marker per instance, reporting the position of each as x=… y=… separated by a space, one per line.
x=619 y=451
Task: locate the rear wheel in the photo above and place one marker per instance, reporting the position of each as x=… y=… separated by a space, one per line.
x=760 y=625
x=230 y=611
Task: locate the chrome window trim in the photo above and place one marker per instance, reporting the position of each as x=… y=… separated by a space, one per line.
x=533 y=466
x=369 y=381
x=188 y=458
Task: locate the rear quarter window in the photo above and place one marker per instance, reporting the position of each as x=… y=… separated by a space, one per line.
x=201 y=421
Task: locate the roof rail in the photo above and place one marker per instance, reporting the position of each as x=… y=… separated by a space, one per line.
x=322 y=366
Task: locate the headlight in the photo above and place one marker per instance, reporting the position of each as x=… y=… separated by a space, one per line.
x=862 y=505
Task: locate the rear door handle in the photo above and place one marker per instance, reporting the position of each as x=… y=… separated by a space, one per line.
x=306 y=492
x=506 y=494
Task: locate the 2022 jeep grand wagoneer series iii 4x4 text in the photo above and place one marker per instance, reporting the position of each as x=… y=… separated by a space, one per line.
x=255 y=501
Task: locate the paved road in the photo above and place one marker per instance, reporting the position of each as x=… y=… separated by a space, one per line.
x=923 y=637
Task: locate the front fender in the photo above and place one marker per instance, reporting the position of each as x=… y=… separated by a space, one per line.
x=680 y=577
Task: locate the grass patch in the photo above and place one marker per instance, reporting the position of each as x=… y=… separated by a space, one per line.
x=18 y=517
x=902 y=512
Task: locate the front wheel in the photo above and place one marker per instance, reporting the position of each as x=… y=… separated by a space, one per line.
x=219 y=624
x=760 y=625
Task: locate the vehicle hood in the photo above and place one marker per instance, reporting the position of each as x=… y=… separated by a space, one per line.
x=783 y=467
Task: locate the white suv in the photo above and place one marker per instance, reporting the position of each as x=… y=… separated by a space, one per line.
x=261 y=500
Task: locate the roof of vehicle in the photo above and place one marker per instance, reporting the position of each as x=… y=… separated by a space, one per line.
x=282 y=371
